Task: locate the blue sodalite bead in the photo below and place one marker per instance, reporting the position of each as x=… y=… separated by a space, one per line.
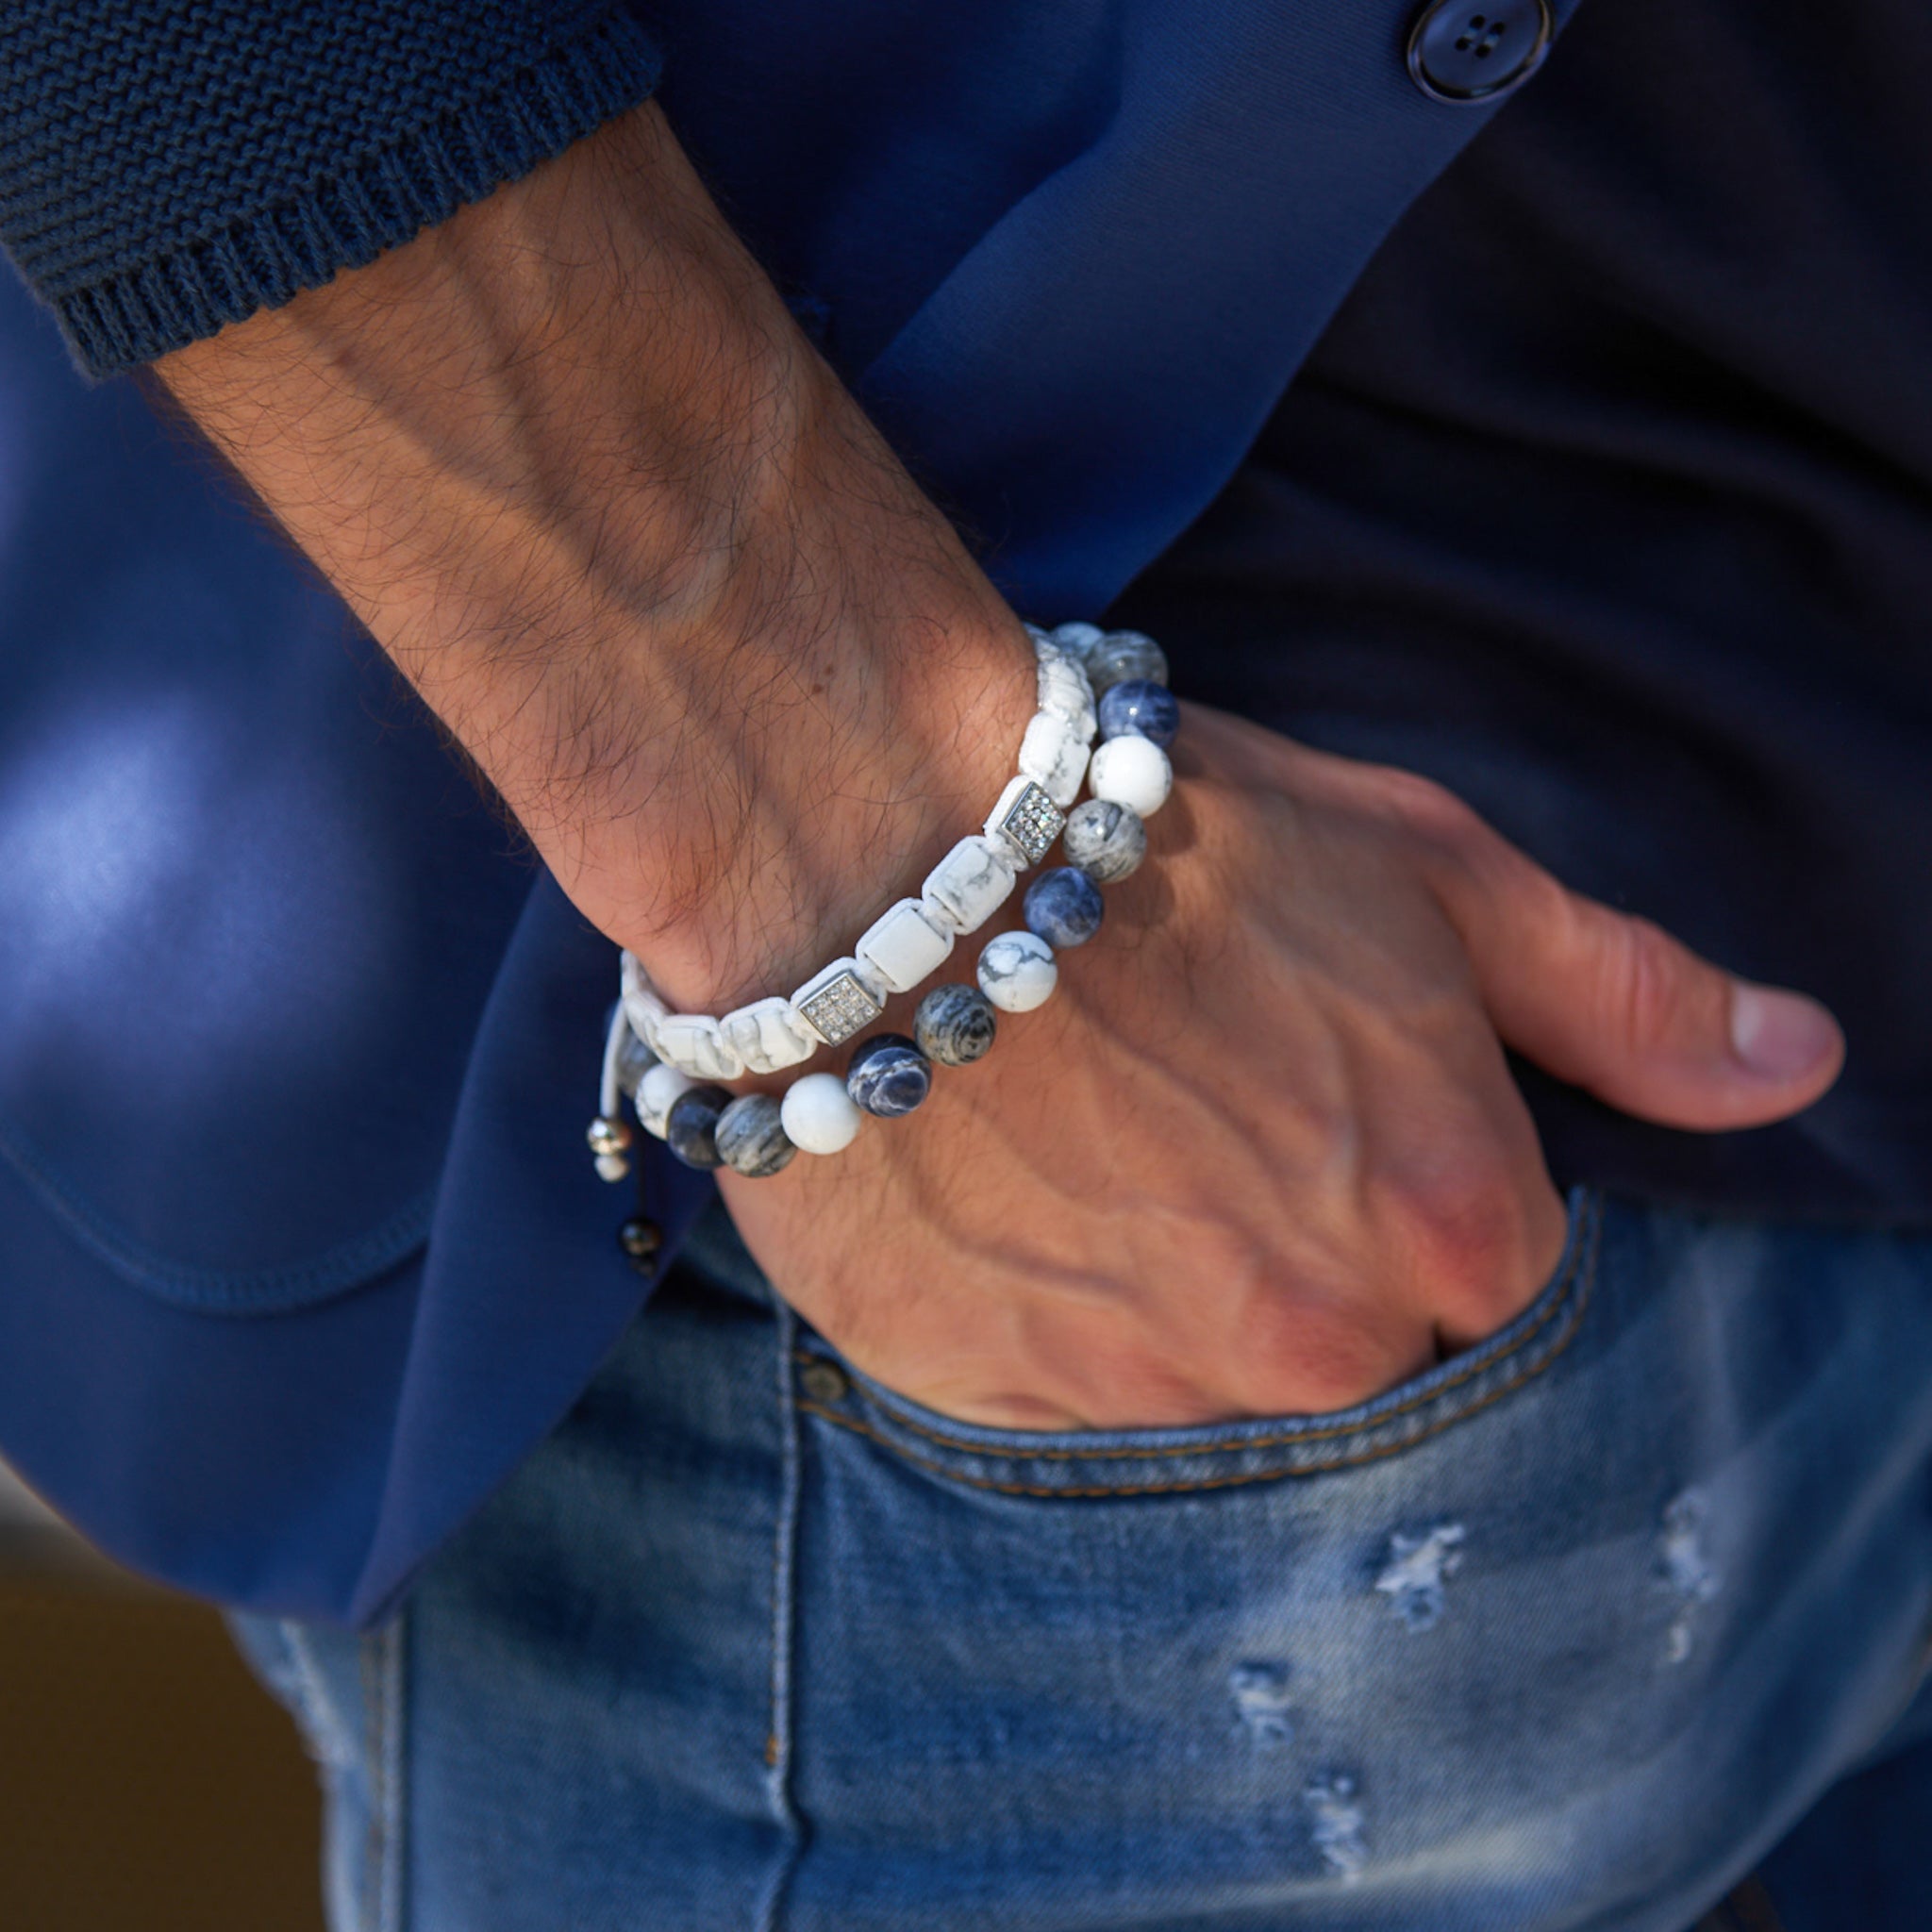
x=889 y=1076
x=955 y=1025
x=691 y=1128
x=1141 y=709
x=1064 y=906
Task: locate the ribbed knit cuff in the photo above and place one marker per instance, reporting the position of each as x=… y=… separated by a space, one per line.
x=377 y=200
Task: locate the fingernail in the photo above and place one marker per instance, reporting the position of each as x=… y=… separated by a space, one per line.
x=1780 y=1036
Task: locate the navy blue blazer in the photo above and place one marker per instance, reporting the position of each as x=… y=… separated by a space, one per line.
x=299 y=1251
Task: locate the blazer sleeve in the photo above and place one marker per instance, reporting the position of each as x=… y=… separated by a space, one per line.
x=167 y=170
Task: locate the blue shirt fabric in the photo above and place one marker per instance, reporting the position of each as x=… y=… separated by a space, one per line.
x=300 y=1248
x=1607 y=499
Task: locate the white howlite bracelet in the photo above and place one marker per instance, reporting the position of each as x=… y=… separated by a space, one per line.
x=909 y=940
x=1089 y=680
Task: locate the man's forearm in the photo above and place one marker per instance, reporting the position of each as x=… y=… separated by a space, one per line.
x=570 y=460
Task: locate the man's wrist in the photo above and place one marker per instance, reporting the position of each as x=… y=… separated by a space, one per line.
x=570 y=460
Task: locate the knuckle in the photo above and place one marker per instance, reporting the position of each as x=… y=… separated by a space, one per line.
x=1463 y=1222
x=1432 y=812
x=1639 y=982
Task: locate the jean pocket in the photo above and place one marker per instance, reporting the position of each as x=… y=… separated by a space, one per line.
x=1214 y=1456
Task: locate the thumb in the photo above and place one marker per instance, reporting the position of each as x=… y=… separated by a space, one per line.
x=1616 y=1005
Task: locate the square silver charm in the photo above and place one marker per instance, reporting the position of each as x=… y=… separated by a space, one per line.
x=840 y=1008
x=1033 y=822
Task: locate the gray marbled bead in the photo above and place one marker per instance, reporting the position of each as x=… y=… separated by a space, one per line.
x=750 y=1138
x=634 y=1060
x=955 y=1025
x=1107 y=841
x=691 y=1128
x=889 y=1076
x=1121 y=656
x=1064 y=907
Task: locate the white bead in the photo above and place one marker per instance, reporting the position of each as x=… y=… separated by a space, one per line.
x=1017 y=971
x=1133 y=771
x=1076 y=640
x=694 y=1043
x=903 y=946
x=1053 y=755
x=612 y=1167
x=818 y=1114
x=656 y=1092
x=769 y=1036
x=840 y=999
x=1064 y=690
x=969 y=884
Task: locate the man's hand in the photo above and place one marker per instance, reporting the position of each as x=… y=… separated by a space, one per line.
x=1262 y=1152
x=571 y=461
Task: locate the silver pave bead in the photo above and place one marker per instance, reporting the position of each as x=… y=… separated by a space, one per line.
x=1027 y=820
x=839 y=1002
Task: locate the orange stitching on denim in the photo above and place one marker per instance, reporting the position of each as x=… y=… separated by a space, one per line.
x=1576 y=1306
x=1569 y=1290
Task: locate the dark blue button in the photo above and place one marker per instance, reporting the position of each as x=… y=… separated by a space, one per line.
x=1468 y=52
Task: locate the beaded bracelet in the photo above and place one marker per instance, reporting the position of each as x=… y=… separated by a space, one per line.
x=911 y=940
x=1104 y=840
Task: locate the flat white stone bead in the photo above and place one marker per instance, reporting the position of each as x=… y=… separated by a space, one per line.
x=769 y=1036
x=694 y=1043
x=643 y=1006
x=1053 y=755
x=1025 y=821
x=1017 y=971
x=1064 y=691
x=656 y=1092
x=1133 y=771
x=819 y=1115
x=903 y=946
x=840 y=999
x=969 y=884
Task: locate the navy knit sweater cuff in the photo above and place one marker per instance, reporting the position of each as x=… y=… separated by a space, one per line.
x=150 y=196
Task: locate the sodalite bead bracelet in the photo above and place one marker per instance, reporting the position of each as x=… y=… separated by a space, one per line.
x=667 y=1062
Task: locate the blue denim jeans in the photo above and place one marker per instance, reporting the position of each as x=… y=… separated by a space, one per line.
x=1570 y=1632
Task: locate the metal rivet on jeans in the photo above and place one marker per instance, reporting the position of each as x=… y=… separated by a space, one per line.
x=823 y=1382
